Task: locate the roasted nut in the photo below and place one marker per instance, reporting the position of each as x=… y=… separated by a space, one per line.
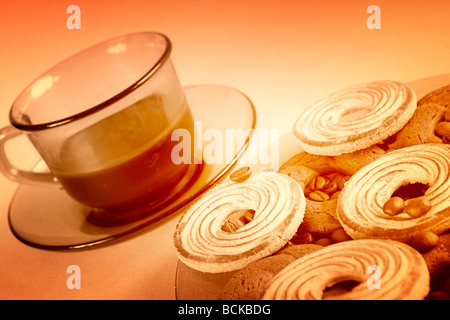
x=241 y=174
x=340 y=235
x=330 y=188
x=394 y=206
x=302 y=238
x=318 y=195
x=325 y=187
x=247 y=216
x=424 y=241
x=443 y=129
x=335 y=177
x=238 y=219
x=417 y=207
x=323 y=242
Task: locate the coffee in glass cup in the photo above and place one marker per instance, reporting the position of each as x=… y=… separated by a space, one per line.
x=102 y=121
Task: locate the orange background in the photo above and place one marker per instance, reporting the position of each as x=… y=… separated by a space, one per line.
x=291 y=49
x=283 y=54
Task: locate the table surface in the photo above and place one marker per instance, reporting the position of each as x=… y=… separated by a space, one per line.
x=283 y=54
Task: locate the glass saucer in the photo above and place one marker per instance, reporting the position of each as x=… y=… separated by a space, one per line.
x=47 y=218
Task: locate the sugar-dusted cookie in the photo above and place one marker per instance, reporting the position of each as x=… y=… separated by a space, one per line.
x=355 y=118
x=236 y=223
x=377 y=270
x=365 y=208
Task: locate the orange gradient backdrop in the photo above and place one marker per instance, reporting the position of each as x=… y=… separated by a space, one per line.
x=289 y=47
x=283 y=54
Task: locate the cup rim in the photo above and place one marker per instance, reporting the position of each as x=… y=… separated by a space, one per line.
x=102 y=105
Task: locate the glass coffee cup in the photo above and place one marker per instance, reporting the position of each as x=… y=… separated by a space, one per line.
x=102 y=122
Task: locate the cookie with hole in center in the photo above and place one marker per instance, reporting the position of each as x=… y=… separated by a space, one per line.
x=355 y=118
x=361 y=203
x=212 y=237
x=379 y=269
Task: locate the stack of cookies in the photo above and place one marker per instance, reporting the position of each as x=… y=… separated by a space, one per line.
x=372 y=185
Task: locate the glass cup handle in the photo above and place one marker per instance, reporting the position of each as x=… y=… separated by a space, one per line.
x=15 y=174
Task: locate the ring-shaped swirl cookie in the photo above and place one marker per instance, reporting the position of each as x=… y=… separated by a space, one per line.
x=383 y=269
x=278 y=203
x=360 y=204
x=355 y=118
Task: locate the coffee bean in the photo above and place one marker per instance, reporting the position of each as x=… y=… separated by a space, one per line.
x=241 y=174
x=319 y=196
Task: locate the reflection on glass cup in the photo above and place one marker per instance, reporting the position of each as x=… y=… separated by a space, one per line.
x=102 y=121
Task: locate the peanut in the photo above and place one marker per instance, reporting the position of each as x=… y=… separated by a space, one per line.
x=323 y=242
x=417 y=207
x=302 y=238
x=424 y=241
x=443 y=129
x=339 y=235
x=394 y=206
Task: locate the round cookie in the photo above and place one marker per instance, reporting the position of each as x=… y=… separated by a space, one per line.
x=355 y=118
x=438 y=262
x=379 y=270
x=320 y=216
x=250 y=282
x=360 y=204
x=431 y=110
x=236 y=223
